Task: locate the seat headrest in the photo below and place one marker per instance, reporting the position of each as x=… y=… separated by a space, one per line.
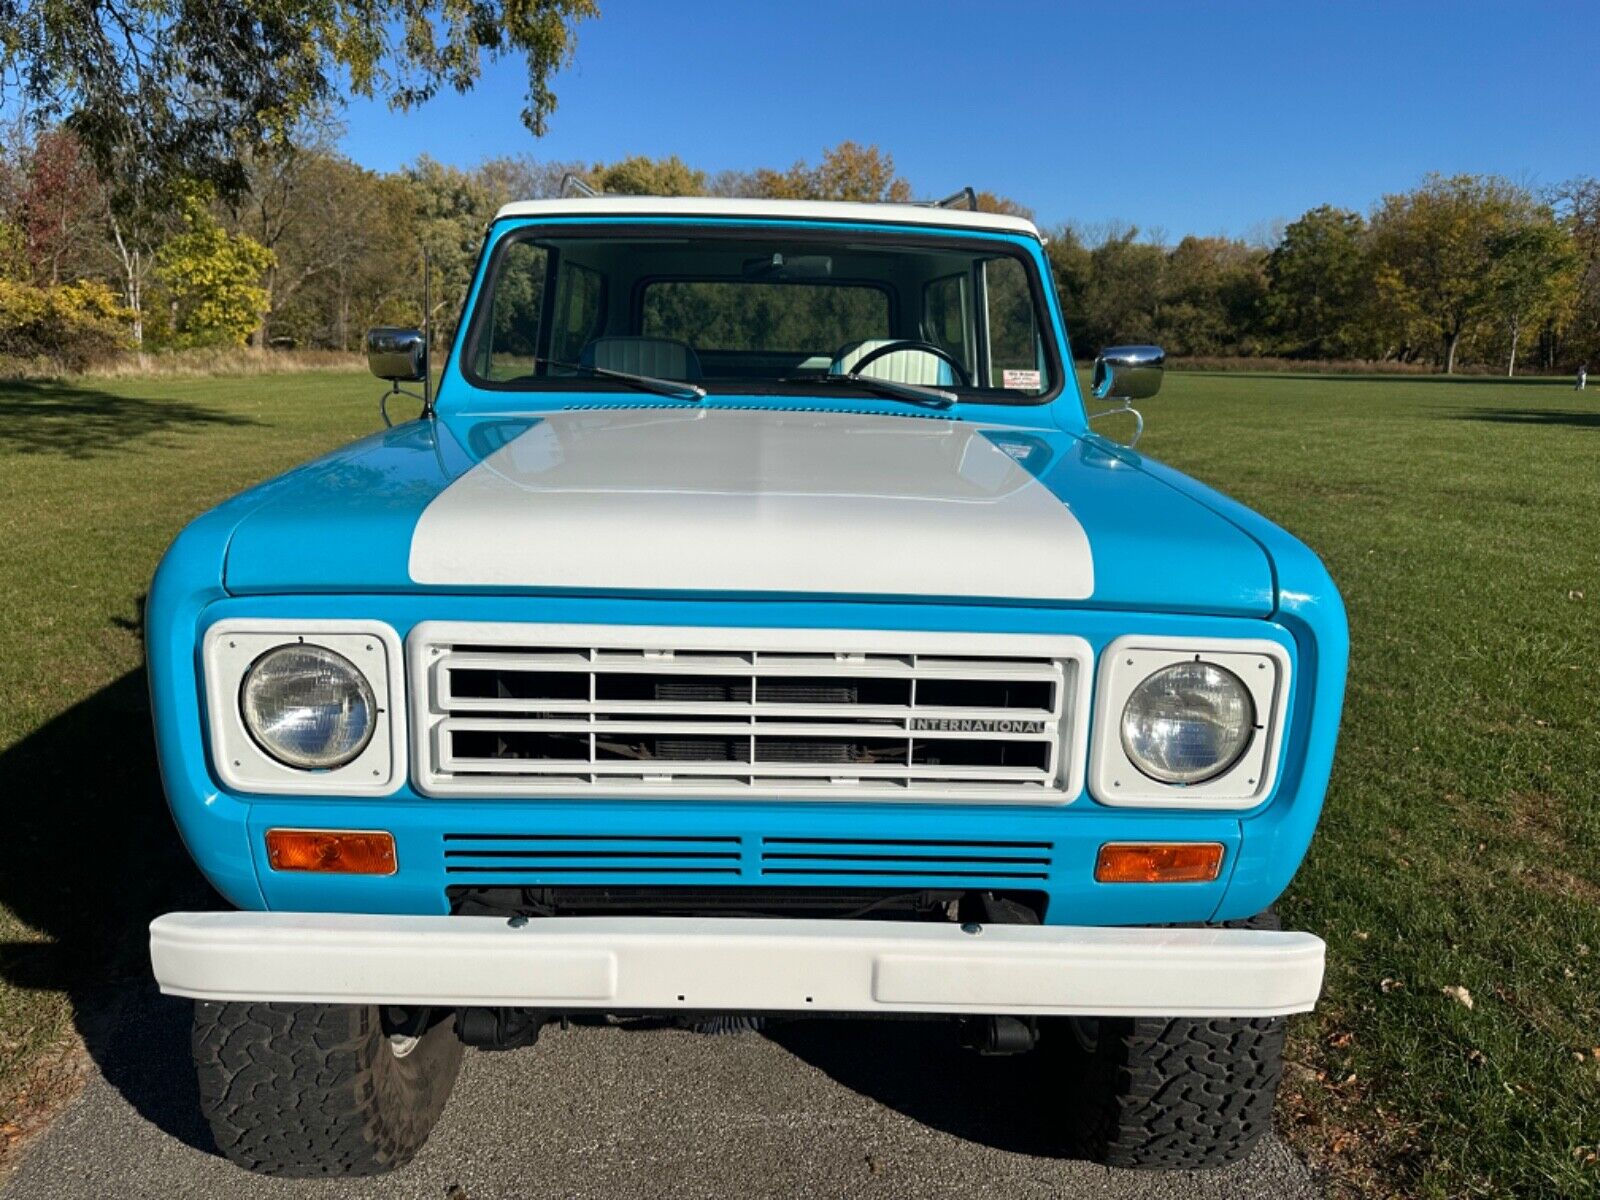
x=901 y=366
x=661 y=357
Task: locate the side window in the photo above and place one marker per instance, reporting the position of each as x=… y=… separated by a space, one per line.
x=577 y=318
x=510 y=338
x=1015 y=361
x=945 y=316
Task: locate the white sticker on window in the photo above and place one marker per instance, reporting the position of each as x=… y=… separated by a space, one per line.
x=1022 y=381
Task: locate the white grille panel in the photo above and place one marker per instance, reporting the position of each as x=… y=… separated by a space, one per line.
x=639 y=711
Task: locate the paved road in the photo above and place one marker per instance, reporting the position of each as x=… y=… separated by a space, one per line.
x=874 y=1109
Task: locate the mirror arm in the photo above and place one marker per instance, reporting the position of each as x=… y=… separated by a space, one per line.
x=396 y=390
x=1125 y=407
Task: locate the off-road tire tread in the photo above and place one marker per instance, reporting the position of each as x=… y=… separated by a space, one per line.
x=1181 y=1093
x=308 y=1090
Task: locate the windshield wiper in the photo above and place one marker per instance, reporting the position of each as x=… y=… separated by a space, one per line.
x=676 y=388
x=911 y=393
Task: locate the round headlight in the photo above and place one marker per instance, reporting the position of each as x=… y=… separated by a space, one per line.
x=307 y=707
x=1187 y=723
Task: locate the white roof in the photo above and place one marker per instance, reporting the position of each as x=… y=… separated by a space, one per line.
x=794 y=210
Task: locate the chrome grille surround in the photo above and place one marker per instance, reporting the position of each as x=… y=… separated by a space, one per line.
x=684 y=712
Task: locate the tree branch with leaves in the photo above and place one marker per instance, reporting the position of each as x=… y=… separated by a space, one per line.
x=185 y=88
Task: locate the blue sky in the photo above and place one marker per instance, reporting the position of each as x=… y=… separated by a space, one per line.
x=1178 y=117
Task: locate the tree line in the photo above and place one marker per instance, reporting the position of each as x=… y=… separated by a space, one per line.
x=170 y=180
x=307 y=248
x=1466 y=268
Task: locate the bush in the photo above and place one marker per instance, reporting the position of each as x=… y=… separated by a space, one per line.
x=74 y=324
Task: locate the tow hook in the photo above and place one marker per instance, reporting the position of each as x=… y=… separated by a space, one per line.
x=996 y=1035
x=500 y=1028
x=1000 y=1035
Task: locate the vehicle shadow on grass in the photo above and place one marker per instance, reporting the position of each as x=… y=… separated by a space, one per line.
x=77 y=421
x=1537 y=417
x=88 y=857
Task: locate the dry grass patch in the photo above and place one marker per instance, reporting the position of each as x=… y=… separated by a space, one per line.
x=231 y=362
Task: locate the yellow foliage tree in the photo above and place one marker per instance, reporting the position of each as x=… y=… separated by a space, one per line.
x=848 y=171
x=214 y=280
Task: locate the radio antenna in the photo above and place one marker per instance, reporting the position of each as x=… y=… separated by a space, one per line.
x=427 y=338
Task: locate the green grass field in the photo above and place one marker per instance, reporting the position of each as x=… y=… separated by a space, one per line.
x=1460 y=847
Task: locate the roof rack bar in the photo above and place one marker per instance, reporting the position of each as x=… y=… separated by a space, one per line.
x=572 y=185
x=965 y=198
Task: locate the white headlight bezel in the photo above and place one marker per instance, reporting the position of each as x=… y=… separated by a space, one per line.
x=1262 y=665
x=231 y=647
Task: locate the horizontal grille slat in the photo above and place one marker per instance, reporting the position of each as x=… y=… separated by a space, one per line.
x=1022 y=670
x=530 y=859
x=544 y=869
x=534 y=856
x=634 y=767
x=653 y=711
x=950 y=860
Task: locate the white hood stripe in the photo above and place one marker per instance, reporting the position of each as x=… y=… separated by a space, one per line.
x=724 y=500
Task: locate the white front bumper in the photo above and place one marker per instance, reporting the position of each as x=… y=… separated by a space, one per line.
x=658 y=964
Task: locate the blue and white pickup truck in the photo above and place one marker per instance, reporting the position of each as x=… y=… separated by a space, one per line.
x=751 y=627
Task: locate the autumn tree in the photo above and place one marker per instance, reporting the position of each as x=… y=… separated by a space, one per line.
x=848 y=171
x=1532 y=278
x=993 y=202
x=343 y=240
x=523 y=177
x=452 y=210
x=1212 y=294
x=1577 y=207
x=58 y=208
x=139 y=218
x=641 y=175
x=1071 y=268
x=286 y=194
x=213 y=280
x=1123 y=299
x=1431 y=251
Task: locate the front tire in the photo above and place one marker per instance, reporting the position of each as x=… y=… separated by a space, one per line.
x=1175 y=1093
x=304 y=1090
x=1178 y=1093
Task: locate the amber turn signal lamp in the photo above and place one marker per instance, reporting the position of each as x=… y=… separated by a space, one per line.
x=331 y=851
x=1160 y=862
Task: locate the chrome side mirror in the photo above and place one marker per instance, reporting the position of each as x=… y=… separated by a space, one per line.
x=1125 y=374
x=397 y=355
x=1128 y=372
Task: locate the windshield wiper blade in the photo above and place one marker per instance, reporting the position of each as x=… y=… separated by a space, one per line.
x=911 y=393
x=676 y=388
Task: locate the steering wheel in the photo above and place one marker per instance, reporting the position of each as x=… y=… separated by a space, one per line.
x=877 y=352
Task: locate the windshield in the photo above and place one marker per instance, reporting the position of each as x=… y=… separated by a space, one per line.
x=742 y=312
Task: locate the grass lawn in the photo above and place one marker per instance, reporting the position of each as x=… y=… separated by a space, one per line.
x=1460 y=847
